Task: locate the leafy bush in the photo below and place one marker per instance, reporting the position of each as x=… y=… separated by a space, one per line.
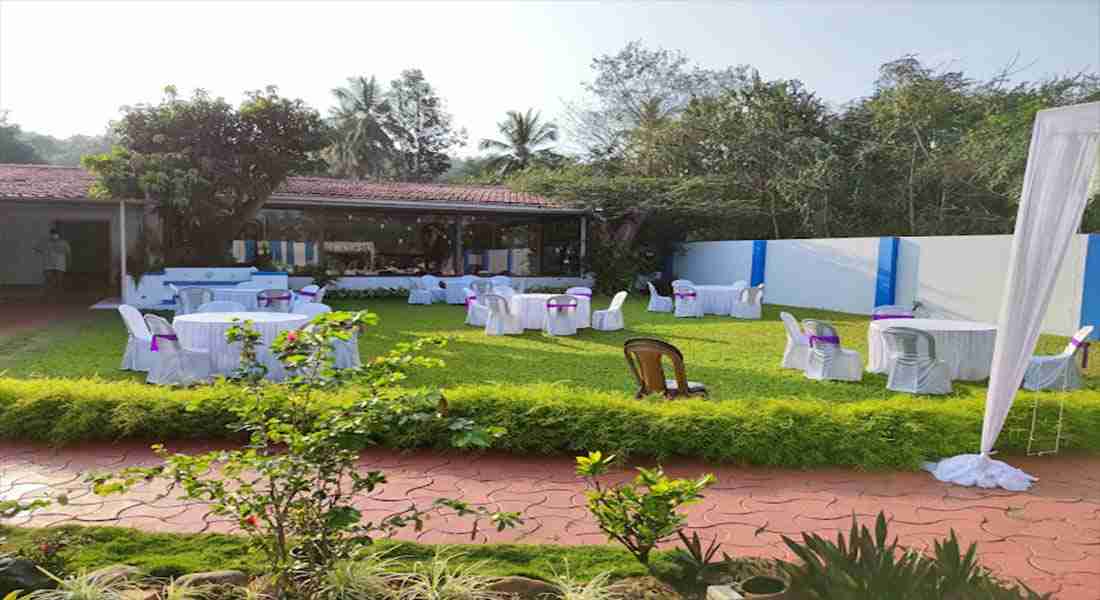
x=366 y=294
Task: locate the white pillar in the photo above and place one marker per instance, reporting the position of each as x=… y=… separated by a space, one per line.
x=584 y=243
x=122 y=249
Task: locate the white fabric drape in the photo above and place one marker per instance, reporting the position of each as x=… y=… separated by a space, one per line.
x=1060 y=164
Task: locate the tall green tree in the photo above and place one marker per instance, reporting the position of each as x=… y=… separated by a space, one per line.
x=13 y=149
x=525 y=140
x=425 y=131
x=363 y=124
x=204 y=167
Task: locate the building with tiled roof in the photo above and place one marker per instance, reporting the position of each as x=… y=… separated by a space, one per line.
x=365 y=228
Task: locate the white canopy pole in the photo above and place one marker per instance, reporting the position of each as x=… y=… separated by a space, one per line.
x=1060 y=164
x=122 y=250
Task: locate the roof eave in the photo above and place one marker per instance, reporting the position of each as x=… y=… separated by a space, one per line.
x=296 y=200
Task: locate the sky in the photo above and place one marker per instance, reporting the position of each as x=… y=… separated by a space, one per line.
x=68 y=67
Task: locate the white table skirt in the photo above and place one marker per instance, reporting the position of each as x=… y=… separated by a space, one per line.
x=206 y=331
x=244 y=296
x=531 y=309
x=717 y=299
x=966 y=346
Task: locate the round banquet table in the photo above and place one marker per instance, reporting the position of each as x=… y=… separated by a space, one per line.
x=965 y=346
x=244 y=296
x=531 y=309
x=717 y=299
x=206 y=331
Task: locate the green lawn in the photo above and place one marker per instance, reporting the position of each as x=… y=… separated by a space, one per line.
x=737 y=360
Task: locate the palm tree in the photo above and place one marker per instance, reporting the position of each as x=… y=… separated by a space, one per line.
x=364 y=125
x=524 y=135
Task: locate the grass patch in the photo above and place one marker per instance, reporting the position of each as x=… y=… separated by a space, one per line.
x=559 y=395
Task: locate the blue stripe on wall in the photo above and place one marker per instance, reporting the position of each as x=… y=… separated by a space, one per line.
x=277 y=251
x=309 y=253
x=509 y=261
x=759 y=261
x=250 y=250
x=1090 y=292
x=886 y=282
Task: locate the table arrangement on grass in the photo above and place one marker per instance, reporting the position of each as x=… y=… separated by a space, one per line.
x=206 y=331
x=531 y=309
x=965 y=346
x=717 y=299
x=244 y=296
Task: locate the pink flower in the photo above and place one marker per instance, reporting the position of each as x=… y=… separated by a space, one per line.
x=292 y=336
x=251 y=521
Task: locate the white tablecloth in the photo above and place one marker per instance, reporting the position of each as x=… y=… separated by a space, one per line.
x=532 y=310
x=245 y=296
x=717 y=299
x=966 y=346
x=206 y=331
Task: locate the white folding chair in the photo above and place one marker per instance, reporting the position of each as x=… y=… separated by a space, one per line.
x=687 y=301
x=612 y=318
x=221 y=306
x=827 y=359
x=174 y=364
x=657 y=302
x=1060 y=371
x=477 y=312
x=561 y=315
x=749 y=303
x=431 y=283
x=138 y=356
x=280 y=301
x=189 y=299
x=501 y=319
x=891 y=311
x=797 y=351
x=913 y=366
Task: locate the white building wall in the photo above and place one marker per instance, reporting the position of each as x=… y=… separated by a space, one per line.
x=963 y=277
x=391 y=282
x=834 y=274
x=714 y=262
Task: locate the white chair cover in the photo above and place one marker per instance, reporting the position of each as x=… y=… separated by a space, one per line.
x=827 y=360
x=913 y=365
x=275 y=301
x=221 y=306
x=687 y=301
x=504 y=290
x=138 y=356
x=174 y=364
x=682 y=282
x=657 y=302
x=612 y=318
x=797 y=351
x=456 y=289
x=501 y=281
x=189 y=299
x=584 y=316
x=482 y=287
x=501 y=319
x=345 y=353
x=310 y=293
x=477 y=312
x=749 y=303
x=431 y=283
x=418 y=294
x=891 y=311
x=1058 y=372
x=561 y=315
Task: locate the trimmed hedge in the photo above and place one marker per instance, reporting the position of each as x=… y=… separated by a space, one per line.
x=555 y=419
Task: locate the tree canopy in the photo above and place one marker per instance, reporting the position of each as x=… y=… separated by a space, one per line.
x=525 y=141
x=13 y=148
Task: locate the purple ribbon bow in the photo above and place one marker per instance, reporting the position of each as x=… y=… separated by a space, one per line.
x=684 y=294
x=827 y=339
x=1076 y=342
x=470 y=300
x=266 y=300
x=559 y=307
x=881 y=317
x=164 y=336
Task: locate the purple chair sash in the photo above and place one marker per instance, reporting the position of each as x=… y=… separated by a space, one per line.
x=470 y=300
x=881 y=317
x=826 y=339
x=266 y=300
x=559 y=307
x=684 y=294
x=582 y=294
x=305 y=293
x=164 y=336
x=1076 y=342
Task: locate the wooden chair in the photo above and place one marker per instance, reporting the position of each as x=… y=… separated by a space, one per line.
x=644 y=355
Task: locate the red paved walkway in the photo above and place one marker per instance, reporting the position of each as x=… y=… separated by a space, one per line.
x=1049 y=537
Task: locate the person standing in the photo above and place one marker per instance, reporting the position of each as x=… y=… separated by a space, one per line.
x=58 y=255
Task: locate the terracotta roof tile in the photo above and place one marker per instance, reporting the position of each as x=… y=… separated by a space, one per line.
x=28 y=182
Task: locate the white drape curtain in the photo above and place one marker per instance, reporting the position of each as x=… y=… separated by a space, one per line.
x=1060 y=164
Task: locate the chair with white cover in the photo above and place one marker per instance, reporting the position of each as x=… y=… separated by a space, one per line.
x=418 y=293
x=657 y=302
x=740 y=284
x=1060 y=371
x=221 y=306
x=749 y=303
x=431 y=283
x=277 y=301
x=912 y=362
x=504 y=290
x=173 y=363
x=502 y=321
x=891 y=311
x=612 y=318
x=310 y=293
x=682 y=282
x=561 y=315
x=477 y=312
x=797 y=351
x=827 y=359
x=189 y=299
x=138 y=356
x=482 y=287
x=457 y=289
x=687 y=301
x=501 y=281
x=580 y=291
